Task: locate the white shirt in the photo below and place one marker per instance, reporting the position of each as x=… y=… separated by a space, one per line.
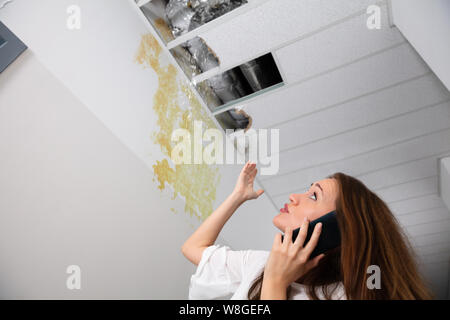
x=226 y=274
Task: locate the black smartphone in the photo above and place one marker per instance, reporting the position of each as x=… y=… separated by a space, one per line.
x=330 y=236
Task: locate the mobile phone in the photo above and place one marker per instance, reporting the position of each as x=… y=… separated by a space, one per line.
x=329 y=238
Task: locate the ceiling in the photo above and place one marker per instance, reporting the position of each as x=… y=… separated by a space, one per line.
x=355 y=100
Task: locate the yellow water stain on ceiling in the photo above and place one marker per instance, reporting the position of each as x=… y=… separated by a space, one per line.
x=176 y=106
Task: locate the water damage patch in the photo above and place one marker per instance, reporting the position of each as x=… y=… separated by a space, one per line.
x=176 y=106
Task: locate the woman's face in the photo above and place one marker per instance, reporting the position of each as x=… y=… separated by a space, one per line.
x=319 y=200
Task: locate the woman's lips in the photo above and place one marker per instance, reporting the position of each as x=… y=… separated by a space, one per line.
x=285 y=209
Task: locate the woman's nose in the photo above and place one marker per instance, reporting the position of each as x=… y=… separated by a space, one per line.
x=294 y=198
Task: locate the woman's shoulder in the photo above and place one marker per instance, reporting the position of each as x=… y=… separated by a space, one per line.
x=257 y=258
x=258 y=254
x=252 y=262
x=244 y=259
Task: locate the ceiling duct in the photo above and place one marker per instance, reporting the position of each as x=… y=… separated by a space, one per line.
x=174 y=18
x=186 y=15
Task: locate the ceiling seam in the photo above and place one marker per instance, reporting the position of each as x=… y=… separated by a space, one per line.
x=432 y=156
x=401 y=183
x=431 y=233
x=441 y=252
x=407 y=226
x=398 y=164
x=424 y=263
x=334 y=105
x=432 y=244
x=425 y=223
x=375 y=190
x=429 y=106
x=414 y=197
x=359 y=154
x=419 y=211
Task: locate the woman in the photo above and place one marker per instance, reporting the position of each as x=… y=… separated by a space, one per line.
x=370 y=235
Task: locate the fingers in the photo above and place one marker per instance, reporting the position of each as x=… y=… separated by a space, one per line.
x=250 y=170
x=259 y=192
x=317 y=259
x=314 y=262
x=245 y=168
x=300 y=240
x=252 y=175
x=256 y=194
x=253 y=171
x=287 y=237
x=312 y=243
x=249 y=167
x=277 y=240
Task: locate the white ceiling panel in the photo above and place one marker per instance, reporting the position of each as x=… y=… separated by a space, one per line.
x=429 y=227
x=362 y=112
x=340 y=45
x=433 y=237
x=342 y=85
x=276 y=23
x=402 y=173
x=408 y=189
x=440 y=257
x=367 y=139
x=432 y=215
x=420 y=203
x=433 y=248
x=389 y=194
x=371 y=162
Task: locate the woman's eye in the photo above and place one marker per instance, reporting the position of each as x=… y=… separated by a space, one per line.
x=314 y=197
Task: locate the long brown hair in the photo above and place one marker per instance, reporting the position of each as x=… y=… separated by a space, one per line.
x=370 y=235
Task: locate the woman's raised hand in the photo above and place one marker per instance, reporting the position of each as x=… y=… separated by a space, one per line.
x=244 y=184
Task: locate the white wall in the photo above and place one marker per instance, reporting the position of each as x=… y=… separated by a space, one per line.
x=71 y=193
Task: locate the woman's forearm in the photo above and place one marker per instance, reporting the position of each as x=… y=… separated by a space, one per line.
x=209 y=230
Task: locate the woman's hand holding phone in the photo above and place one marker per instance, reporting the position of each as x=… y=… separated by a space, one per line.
x=244 y=185
x=288 y=260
